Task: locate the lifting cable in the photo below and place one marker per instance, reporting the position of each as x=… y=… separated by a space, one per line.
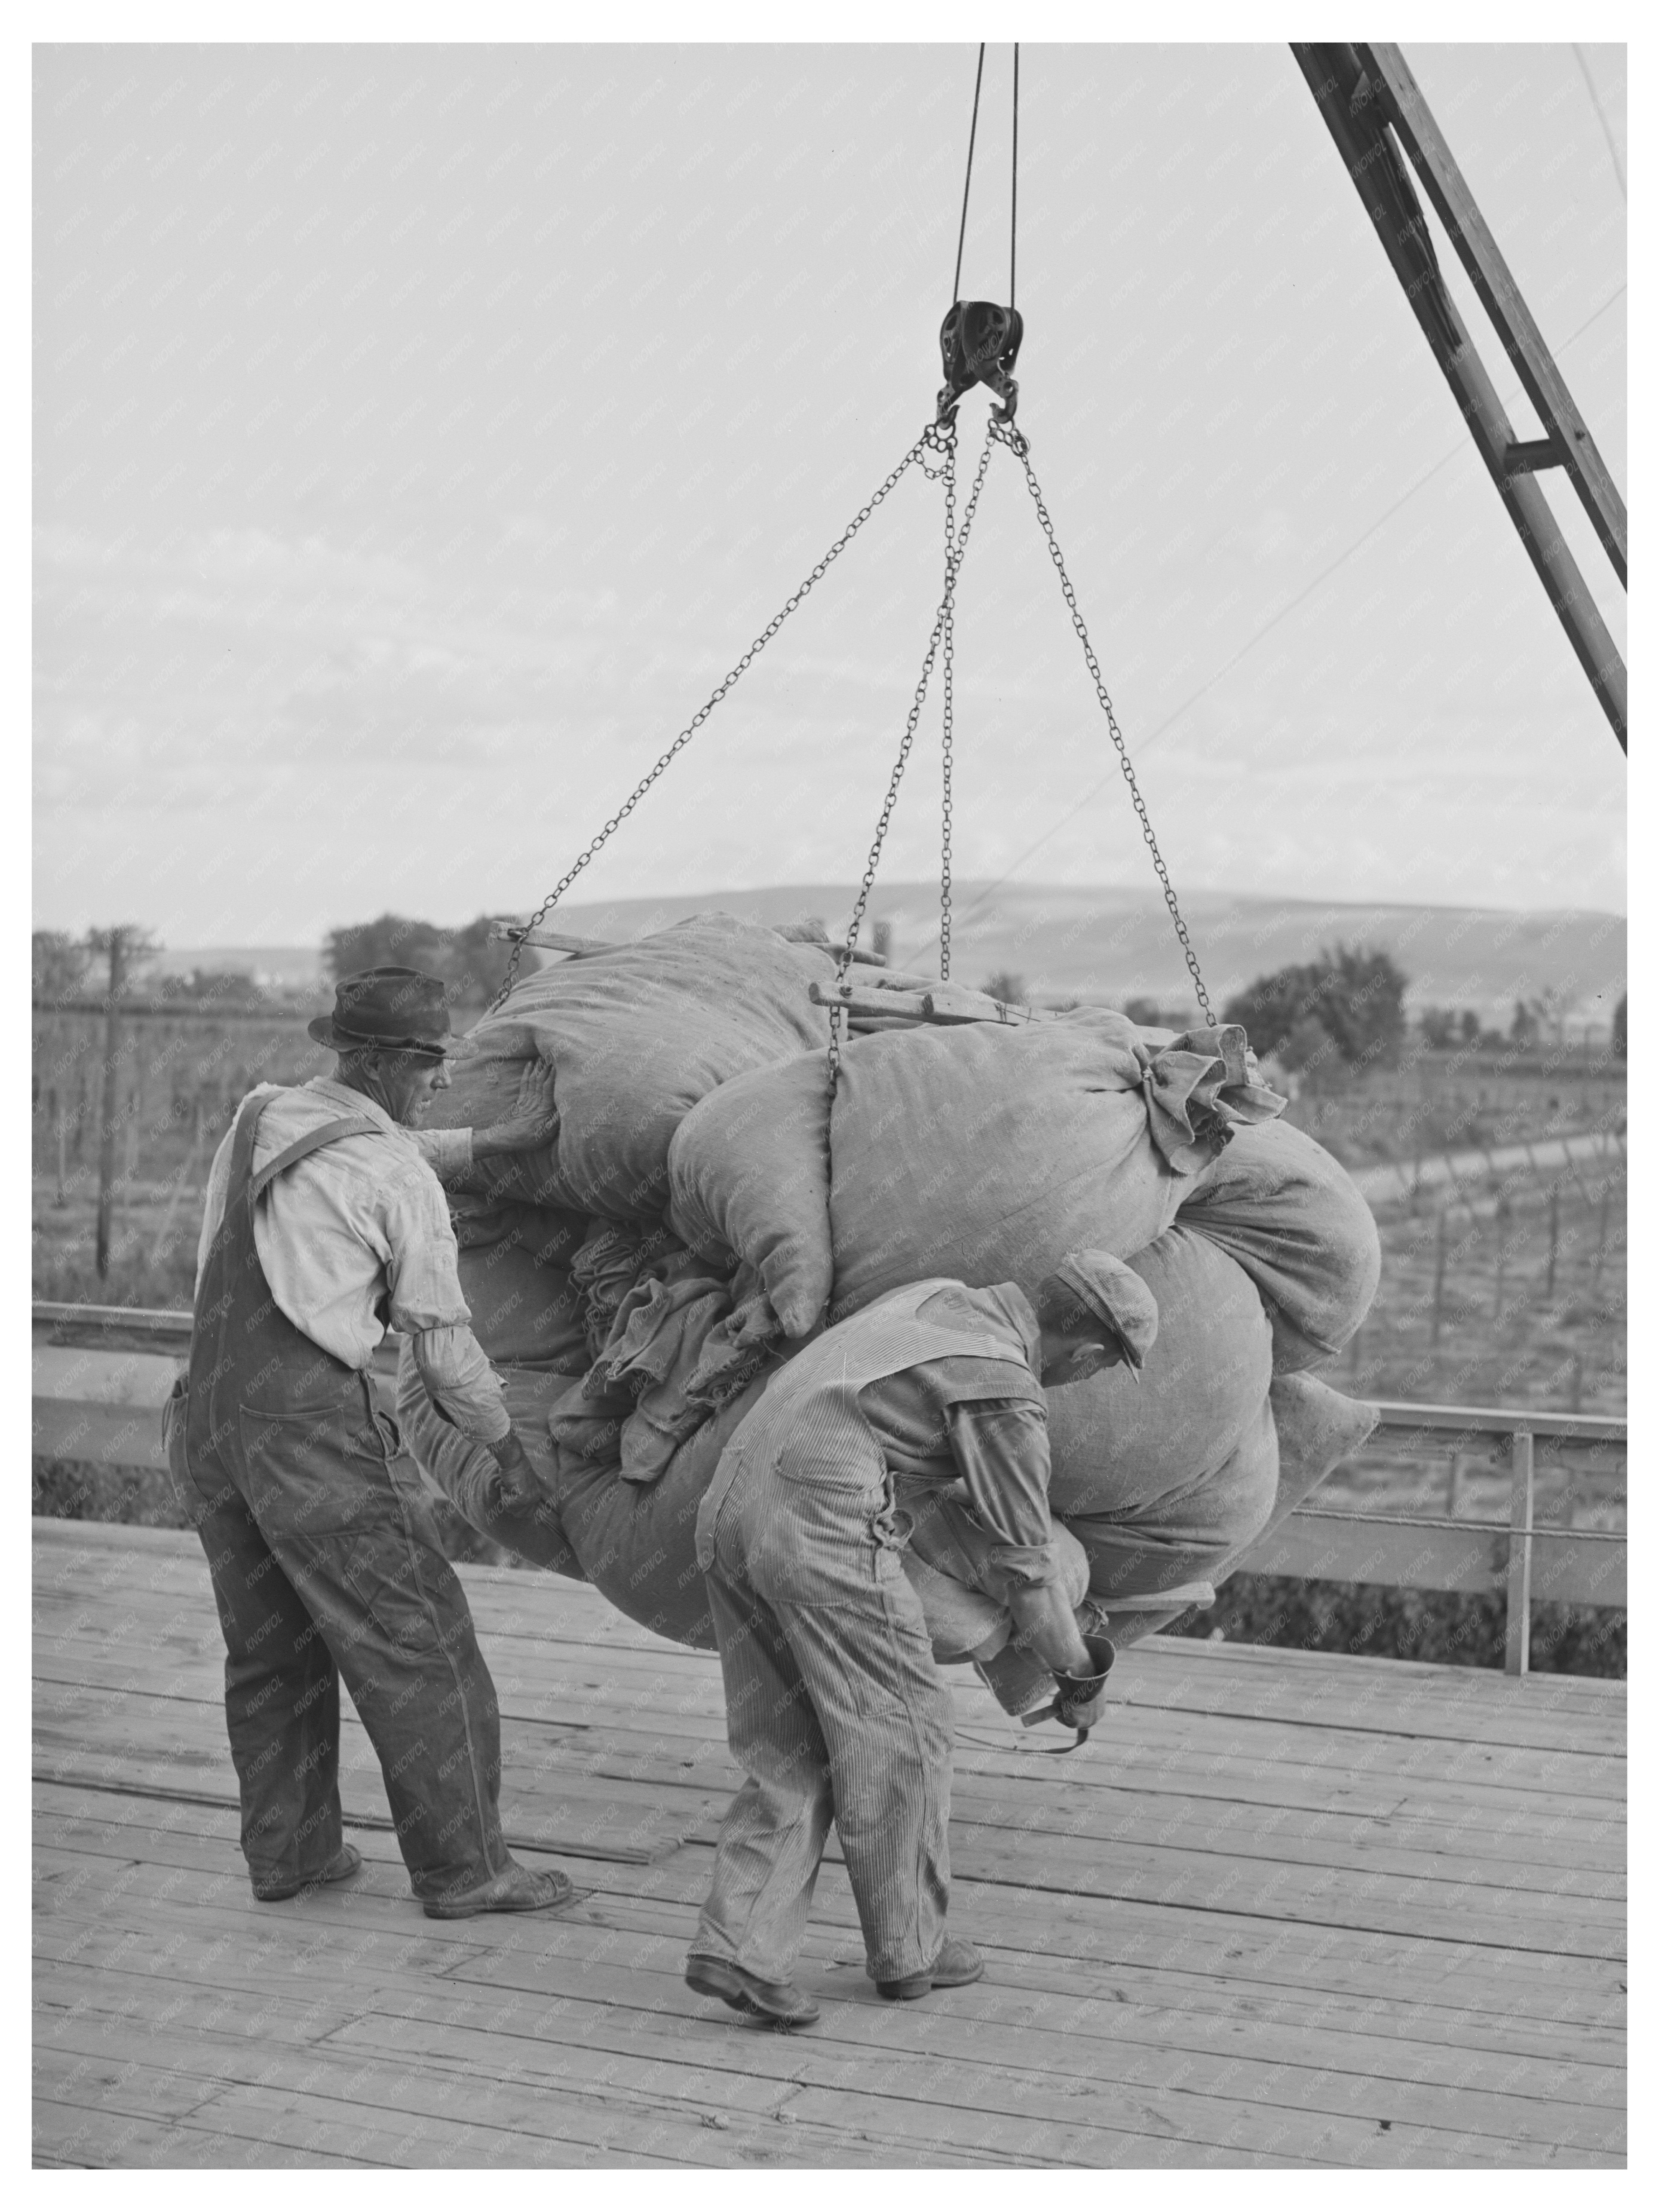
x=979 y=342
x=968 y=179
x=947 y=655
x=973 y=132
x=1013 y=185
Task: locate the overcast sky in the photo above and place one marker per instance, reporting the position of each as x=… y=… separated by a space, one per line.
x=421 y=433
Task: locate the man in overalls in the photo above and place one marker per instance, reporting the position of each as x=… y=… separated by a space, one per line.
x=325 y=1225
x=834 y=1705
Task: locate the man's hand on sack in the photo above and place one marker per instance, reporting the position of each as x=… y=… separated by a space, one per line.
x=533 y=1122
x=515 y=1484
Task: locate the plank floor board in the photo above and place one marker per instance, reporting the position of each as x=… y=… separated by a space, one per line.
x=153 y=1912
x=1286 y=1911
x=1042 y=2051
x=181 y=1837
x=1403 y=1845
x=1017 y=2013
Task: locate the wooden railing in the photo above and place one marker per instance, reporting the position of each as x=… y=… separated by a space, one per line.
x=101 y=1373
x=1519 y=1555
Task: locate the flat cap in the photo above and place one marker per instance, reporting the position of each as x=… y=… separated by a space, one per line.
x=1117 y=1294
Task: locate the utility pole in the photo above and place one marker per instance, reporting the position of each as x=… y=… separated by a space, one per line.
x=1439 y=1276
x=117 y=956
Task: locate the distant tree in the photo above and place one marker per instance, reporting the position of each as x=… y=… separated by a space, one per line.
x=1145 y=1013
x=1439 y=1027
x=468 y=962
x=1525 y=1027
x=1619 y=1025
x=211 y=984
x=475 y=968
x=392 y=941
x=1006 y=986
x=1356 y=997
x=1469 y=1026
x=59 y=963
x=1309 y=1047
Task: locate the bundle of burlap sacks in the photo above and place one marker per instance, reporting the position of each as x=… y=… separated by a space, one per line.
x=705 y=1206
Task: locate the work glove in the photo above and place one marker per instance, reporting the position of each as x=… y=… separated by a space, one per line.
x=514 y=1483
x=1080 y=1699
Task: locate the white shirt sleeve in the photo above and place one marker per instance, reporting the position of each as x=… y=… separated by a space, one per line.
x=461 y=1382
x=426 y=1304
x=213 y=1210
x=447 y=1152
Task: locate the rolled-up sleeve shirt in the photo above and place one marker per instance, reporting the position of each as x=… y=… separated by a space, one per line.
x=356 y=1239
x=942 y=1422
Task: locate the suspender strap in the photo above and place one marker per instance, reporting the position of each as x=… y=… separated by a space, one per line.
x=355 y=1125
x=245 y=1129
x=248 y=1117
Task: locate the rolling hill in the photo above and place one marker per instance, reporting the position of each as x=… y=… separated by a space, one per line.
x=1060 y=940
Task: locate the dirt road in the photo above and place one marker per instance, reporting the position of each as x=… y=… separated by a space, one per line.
x=1390 y=1185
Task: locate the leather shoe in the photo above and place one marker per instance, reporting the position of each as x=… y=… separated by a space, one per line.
x=779 y=2001
x=957 y=1964
x=518 y=1890
x=344 y=1863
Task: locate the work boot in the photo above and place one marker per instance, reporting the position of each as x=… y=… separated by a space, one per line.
x=344 y=1863
x=781 y=2003
x=518 y=1890
x=957 y=1964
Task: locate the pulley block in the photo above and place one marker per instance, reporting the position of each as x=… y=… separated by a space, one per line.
x=979 y=343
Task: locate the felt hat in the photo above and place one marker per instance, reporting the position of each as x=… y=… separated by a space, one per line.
x=399 y=1009
x=1118 y=1296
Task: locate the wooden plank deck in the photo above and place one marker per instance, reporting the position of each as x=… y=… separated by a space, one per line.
x=1285 y=1910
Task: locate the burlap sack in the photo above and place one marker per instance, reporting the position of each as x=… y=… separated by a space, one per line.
x=514 y=1269
x=1293 y=1218
x=982 y=1153
x=1119 y=1445
x=635 y=1036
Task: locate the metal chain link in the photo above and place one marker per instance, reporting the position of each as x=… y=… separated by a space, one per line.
x=936 y=437
x=952 y=570
x=1020 y=448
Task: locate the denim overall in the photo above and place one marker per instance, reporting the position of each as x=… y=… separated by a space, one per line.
x=326 y=1561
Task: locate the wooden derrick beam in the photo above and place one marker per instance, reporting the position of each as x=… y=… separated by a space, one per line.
x=1362 y=92
x=942 y=1005
x=1568 y=444
x=564 y=940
